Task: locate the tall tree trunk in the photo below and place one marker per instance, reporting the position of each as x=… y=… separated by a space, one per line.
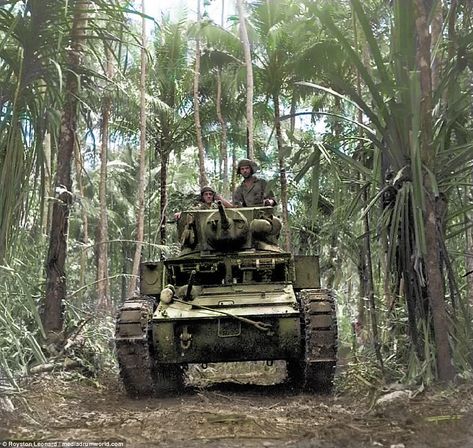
x=56 y=288
x=435 y=281
x=282 y=174
x=140 y=209
x=164 y=157
x=233 y=176
x=370 y=284
x=46 y=207
x=223 y=128
x=223 y=124
x=249 y=80
x=198 y=126
x=103 y=282
x=85 y=219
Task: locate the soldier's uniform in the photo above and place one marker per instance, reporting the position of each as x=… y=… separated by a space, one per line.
x=254 y=194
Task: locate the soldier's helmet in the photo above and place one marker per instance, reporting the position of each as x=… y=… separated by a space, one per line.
x=204 y=189
x=247 y=162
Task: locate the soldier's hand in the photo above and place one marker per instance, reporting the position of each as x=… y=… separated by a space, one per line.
x=269 y=202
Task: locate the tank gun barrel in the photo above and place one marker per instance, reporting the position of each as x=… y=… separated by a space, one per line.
x=190 y=283
x=223 y=216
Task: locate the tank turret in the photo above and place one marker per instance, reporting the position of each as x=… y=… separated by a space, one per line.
x=226 y=230
x=229 y=229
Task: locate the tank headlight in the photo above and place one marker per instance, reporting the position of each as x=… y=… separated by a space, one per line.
x=167 y=294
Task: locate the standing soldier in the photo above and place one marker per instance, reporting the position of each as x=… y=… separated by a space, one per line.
x=253 y=191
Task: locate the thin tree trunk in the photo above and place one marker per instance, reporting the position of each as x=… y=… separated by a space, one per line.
x=435 y=281
x=198 y=126
x=85 y=219
x=234 y=167
x=282 y=174
x=46 y=207
x=223 y=128
x=56 y=288
x=103 y=283
x=223 y=147
x=249 y=80
x=126 y=255
x=140 y=209
x=164 y=156
x=370 y=285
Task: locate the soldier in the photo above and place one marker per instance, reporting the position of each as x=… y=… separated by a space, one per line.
x=208 y=196
x=253 y=191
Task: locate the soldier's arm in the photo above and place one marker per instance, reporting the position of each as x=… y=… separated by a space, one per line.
x=269 y=197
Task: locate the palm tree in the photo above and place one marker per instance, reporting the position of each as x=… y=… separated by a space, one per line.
x=55 y=274
x=103 y=285
x=170 y=122
x=409 y=148
x=198 y=126
x=272 y=23
x=140 y=209
x=30 y=88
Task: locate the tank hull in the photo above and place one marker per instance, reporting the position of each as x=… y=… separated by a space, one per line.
x=241 y=323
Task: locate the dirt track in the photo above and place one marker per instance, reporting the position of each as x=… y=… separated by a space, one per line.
x=232 y=414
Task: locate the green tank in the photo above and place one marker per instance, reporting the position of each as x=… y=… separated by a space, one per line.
x=232 y=295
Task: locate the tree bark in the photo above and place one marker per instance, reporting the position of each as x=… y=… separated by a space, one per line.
x=103 y=283
x=140 y=209
x=282 y=174
x=249 y=81
x=56 y=288
x=435 y=281
x=198 y=127
x=85 y=219
x=46 y=207
x=437 y=25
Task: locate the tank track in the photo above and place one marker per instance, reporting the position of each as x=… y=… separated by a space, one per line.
x=140 y=374
x=132 y=346
x=315 y=370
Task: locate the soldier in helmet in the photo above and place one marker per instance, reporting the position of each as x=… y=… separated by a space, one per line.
x=208 y=196
x=253 y=191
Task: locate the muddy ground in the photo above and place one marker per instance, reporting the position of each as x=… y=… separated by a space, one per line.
x=228 y=409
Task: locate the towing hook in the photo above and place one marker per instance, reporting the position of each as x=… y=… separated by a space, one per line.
x=186 y=338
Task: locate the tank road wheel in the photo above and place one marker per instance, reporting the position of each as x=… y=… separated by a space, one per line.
x=316 y=368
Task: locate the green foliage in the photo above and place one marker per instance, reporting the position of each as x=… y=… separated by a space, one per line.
x=21 y=331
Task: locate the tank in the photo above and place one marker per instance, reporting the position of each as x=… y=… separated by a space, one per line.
x=231 y=295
